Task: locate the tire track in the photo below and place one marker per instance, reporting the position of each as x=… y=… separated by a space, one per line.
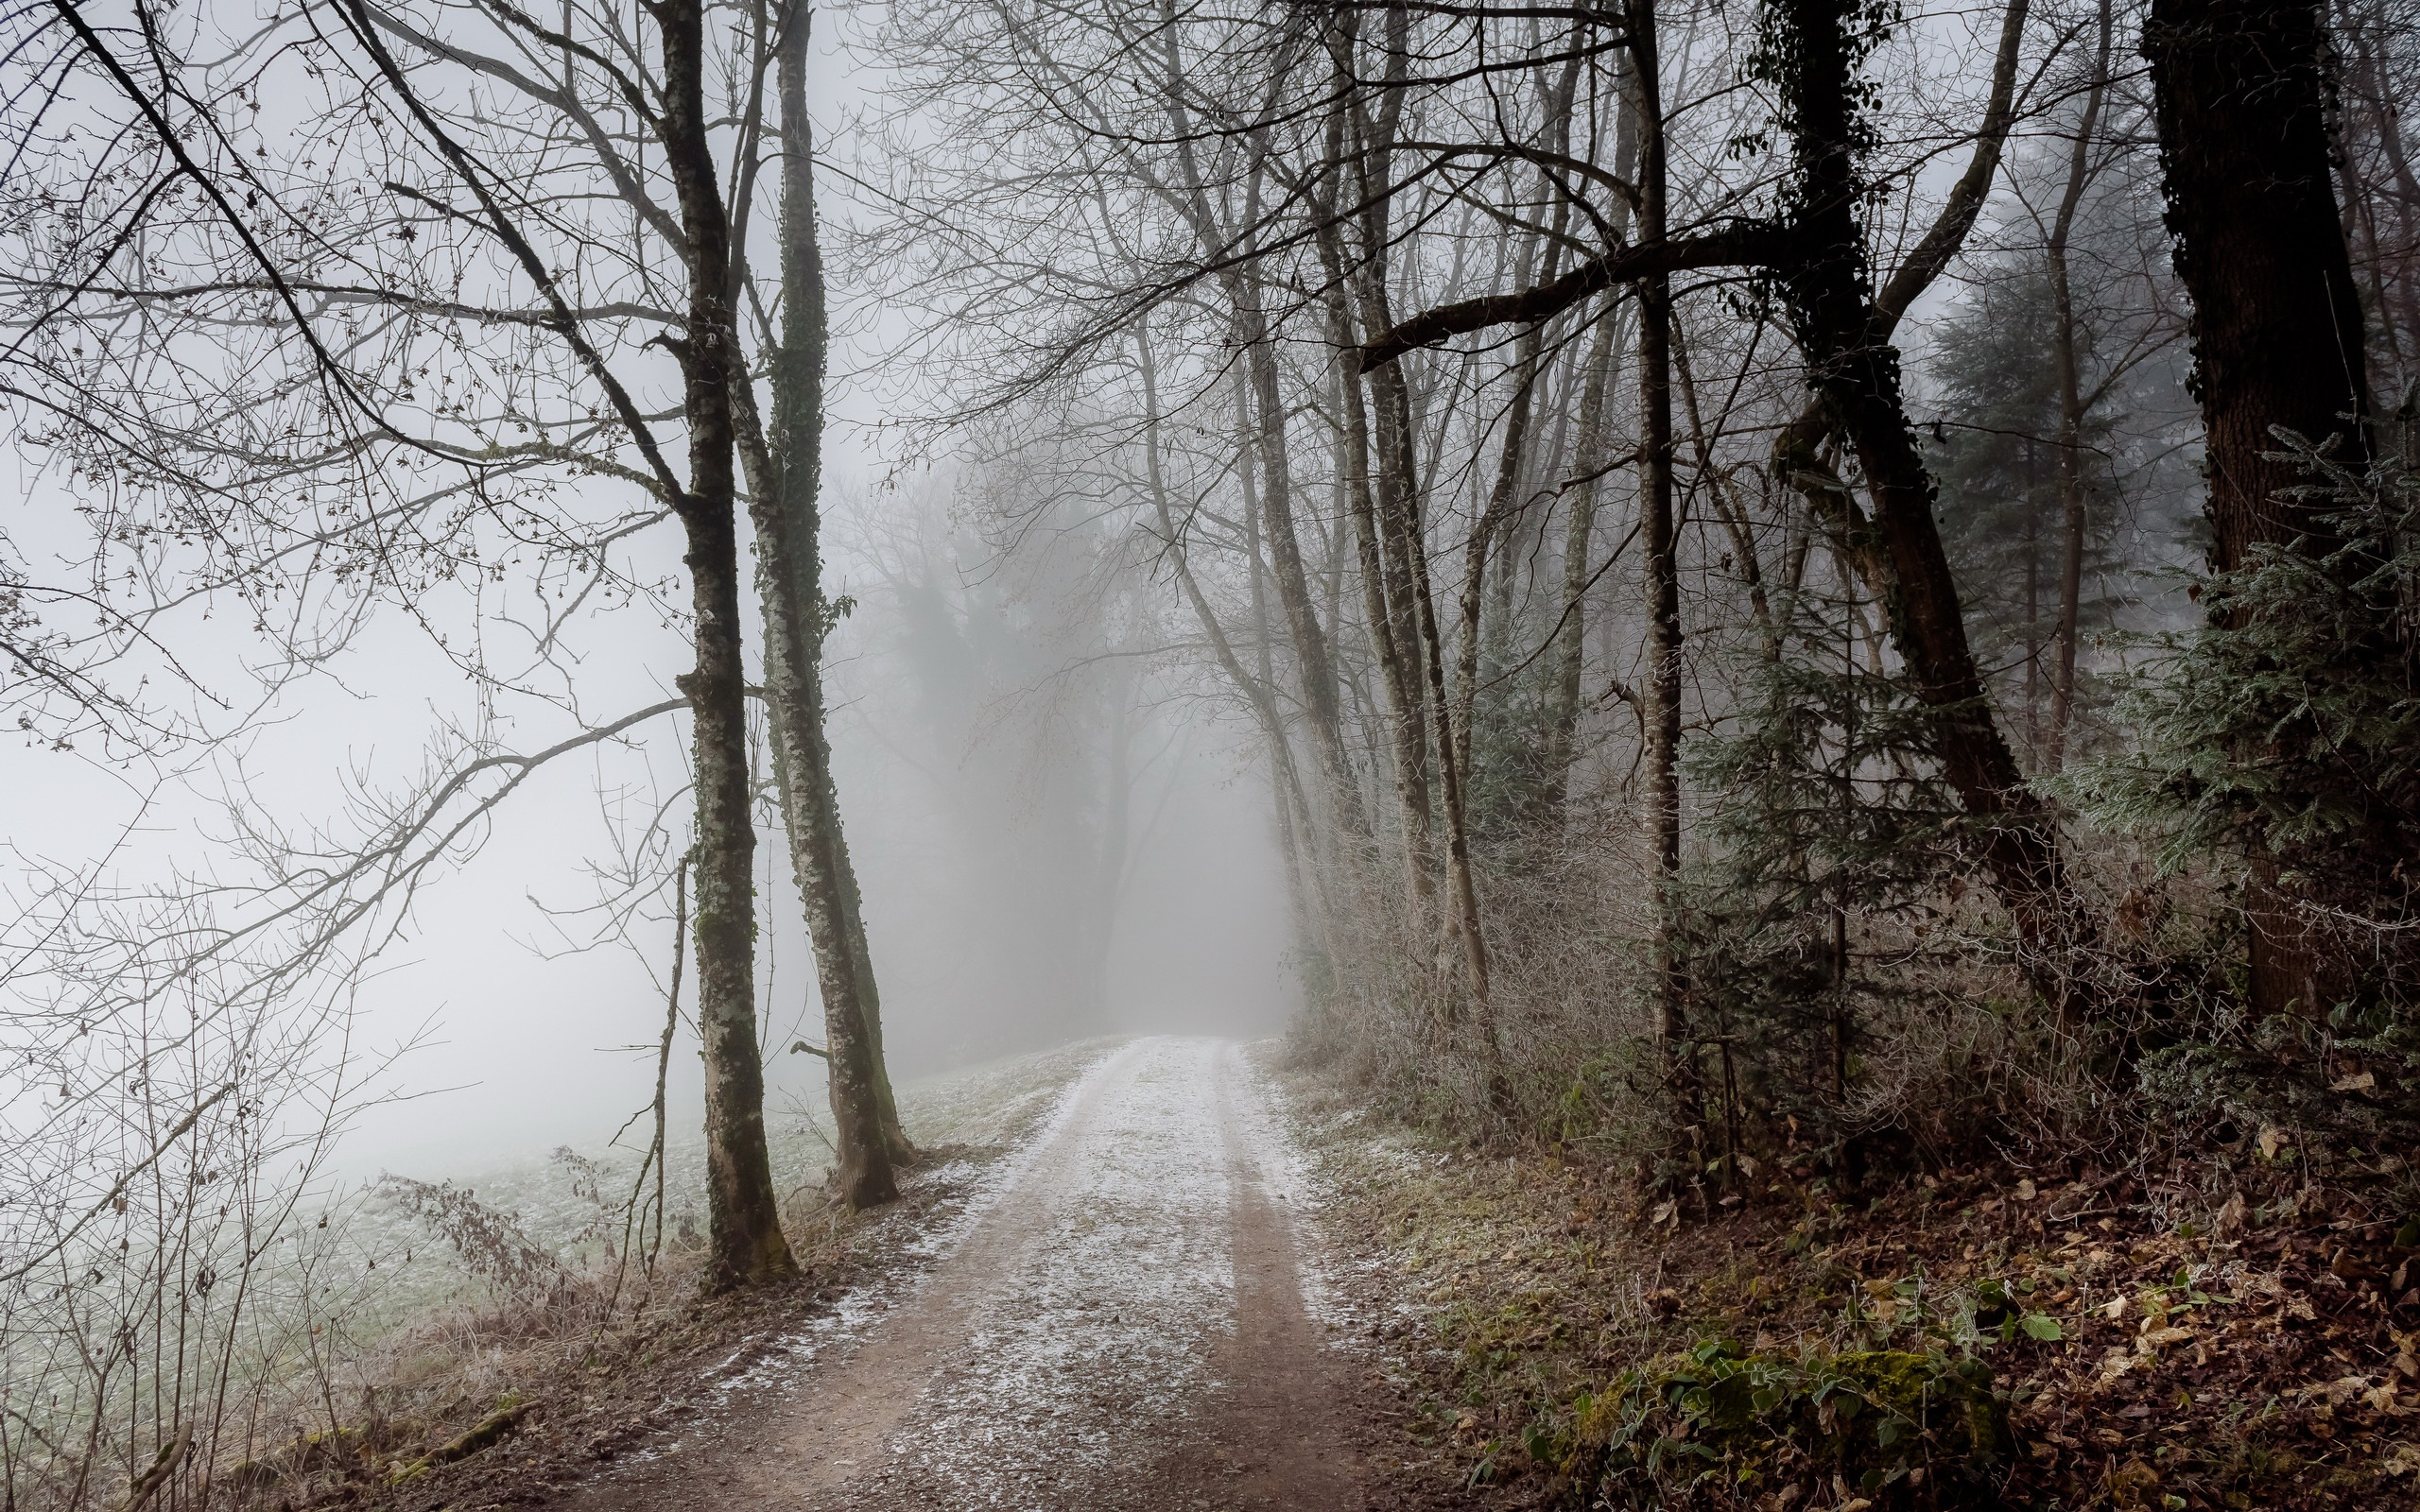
x=1121 y=1325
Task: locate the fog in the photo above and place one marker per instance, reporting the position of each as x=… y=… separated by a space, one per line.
x=1058 y=837
x=1020 y=891
x=1748 y=608
x=973 y=750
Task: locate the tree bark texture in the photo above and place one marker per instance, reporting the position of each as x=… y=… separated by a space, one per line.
x=1658 y=538
x=1249 y=326
x=785 y=509
x=743 y=1221
x=1853 y=370
x=2239 y=90
x=1591 y=459
x=1798 y=450
x=2239 y=86
x=1378 y=465
x=1404 y=550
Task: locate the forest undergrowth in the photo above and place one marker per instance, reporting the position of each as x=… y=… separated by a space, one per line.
x=1982 y=1270
x=2217 y=1333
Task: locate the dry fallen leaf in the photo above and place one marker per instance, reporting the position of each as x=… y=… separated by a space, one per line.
x=2265 y=1285
x=2026 y=1190
x=2134 y=1484
x=2358 y=1082
x=2335 y=1393
x=2269 y=1139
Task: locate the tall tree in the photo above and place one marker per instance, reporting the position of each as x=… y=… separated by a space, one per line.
x=2240 y=89
x=2072 y=519
x=1813 y=51
x=1659 y=537
x=786 y=476
x=744 y=1216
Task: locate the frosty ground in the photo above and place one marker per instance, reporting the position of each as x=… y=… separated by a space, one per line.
x=1126 y=1311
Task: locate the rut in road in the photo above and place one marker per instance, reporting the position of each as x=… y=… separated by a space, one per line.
x=1122 y=1323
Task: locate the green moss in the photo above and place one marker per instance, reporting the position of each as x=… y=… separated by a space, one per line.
x=1720 y=1426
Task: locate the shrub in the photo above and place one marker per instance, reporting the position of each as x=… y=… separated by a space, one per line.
x=1724 y=1428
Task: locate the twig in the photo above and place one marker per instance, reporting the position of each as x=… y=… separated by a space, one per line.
x=161 y=1467
x=118 y=1189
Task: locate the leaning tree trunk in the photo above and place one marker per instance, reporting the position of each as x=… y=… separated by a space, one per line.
x=1798 y=450
x=784 y=506
x=1591 y=459
x=1293 y=802
x=852 y=924
x=1265 y=423
x=2240 y=92
x=743 y=1221
x=1854 y=371
x=1404 y=552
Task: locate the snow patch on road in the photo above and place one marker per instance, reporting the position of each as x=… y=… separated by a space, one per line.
x=1102 y=1335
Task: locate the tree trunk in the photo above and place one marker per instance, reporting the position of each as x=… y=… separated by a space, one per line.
x=852 y=924
x=1294 y=804
x=744 y=1223
x=1466 y=923
x=1403 y=699
x=1248 y=320
x=1498 y=529
x=1589 y=461
x=1315 y=665
x=1405 y=551
x=1658 y=538
x=1494 y=523
x=1375 y=470
x=1798 y=451
x=786 y=477
x=2071 y=406
x=2240 y=89
x=1854 y=371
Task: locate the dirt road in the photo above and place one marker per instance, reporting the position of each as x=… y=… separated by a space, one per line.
x=1118 y=1322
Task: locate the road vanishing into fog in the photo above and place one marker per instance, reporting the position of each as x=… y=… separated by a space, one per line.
x=1118 y=1322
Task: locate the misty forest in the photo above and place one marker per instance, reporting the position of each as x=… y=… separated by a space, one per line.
x=1307 y=754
